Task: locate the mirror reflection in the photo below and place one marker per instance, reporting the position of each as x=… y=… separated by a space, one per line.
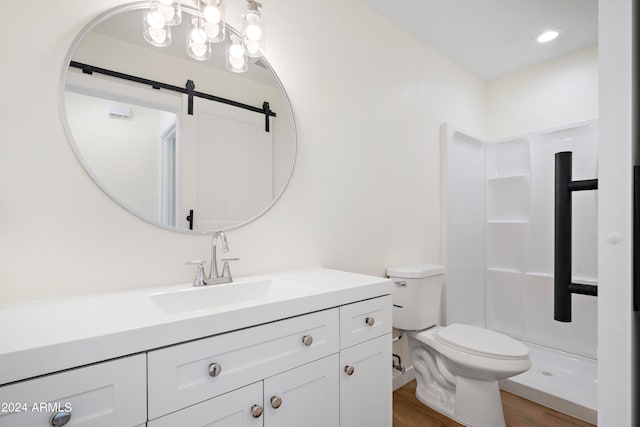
x=180 y=161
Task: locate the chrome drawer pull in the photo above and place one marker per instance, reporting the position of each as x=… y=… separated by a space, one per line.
x=215 y=369
x=60 y=418
x=349 y=370
x=276 y=401
x=370 y=321
x=256 y=411
x=307 y=340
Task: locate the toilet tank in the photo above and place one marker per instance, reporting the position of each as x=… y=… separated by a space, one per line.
x=417 y=292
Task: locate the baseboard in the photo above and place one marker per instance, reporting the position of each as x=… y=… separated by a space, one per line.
x=543 y=398
x=400 y=379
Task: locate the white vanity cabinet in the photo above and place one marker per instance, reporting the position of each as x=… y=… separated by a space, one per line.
x=106 y=394
x=324 y=369
x=186 y=374
x=365 y=358
x=303 y=396
x=314 y=350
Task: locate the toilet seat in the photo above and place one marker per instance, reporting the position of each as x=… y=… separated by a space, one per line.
x=481 y=342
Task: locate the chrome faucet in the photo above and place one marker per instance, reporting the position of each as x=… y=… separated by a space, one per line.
x=214 y=277
x=213 y=273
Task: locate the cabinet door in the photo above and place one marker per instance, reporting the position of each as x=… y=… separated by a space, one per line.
x=239 y=408
x=181 y=375
x=365 y=384
x=102 y=395
x=305 y=396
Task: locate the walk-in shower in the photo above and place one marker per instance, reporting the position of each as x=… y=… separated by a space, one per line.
x=499 y=203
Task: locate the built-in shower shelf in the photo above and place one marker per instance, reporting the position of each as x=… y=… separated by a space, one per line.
x=539 y=274
x=585 y=280
x=576 y=279
x=504 y=270
x=508 y=197
x=508 y=221
x=507 y=177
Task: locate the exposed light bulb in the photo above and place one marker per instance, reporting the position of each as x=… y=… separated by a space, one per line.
x=158 y=35
x=235 y=51
x=212 y=30
x=547 y=36
x=198 y=36
x=167 y=11
x=199 y=50
x=155 y=19
x=236 y=60
x=253 y=32
x=212 y=14
x=237 y=65
x=252 y=47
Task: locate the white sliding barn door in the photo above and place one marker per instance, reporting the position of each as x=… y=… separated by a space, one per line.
x=227 y=164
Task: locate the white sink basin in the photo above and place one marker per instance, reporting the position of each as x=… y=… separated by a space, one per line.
x=231 y=295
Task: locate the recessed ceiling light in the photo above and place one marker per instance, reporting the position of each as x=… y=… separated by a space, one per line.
x=547 y=36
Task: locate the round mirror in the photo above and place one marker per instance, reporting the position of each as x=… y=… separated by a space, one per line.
x=183 y=143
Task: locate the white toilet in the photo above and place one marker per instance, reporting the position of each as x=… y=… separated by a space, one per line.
x=457 y=367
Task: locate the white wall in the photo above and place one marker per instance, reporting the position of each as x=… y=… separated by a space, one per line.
x=552 y=94
x=368 y=101
x=616 y=399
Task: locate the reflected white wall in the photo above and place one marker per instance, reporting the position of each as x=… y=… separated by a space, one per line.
x=132 y=144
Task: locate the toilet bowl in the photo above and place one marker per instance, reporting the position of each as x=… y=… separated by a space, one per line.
x=458 y=366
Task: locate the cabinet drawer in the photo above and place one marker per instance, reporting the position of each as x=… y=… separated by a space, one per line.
x=102 y=395
x=232 y=409
x=365 y=320
x=180 y=376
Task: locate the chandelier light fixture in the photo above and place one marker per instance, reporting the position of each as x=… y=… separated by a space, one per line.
x=207 y=27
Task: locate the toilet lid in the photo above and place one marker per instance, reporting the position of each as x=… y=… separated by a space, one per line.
x=481 y=341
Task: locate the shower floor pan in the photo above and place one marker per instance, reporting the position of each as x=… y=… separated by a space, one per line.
x=558 y=380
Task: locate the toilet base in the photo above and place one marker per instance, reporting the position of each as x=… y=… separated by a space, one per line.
x=476 y=403
x=470 y=401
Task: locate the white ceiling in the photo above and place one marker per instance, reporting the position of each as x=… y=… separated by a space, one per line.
x=492 y=38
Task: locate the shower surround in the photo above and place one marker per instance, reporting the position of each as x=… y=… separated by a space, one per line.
x=499 y=202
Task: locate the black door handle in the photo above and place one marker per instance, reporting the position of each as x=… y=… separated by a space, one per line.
x=562 y=286
x=190 y=219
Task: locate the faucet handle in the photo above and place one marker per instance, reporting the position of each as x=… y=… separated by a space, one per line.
x=226 y=272
x=200 y=274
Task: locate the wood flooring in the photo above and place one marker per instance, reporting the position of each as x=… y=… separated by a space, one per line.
x=408 y=411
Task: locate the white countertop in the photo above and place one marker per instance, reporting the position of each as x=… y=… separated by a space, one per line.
x=48 y=336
